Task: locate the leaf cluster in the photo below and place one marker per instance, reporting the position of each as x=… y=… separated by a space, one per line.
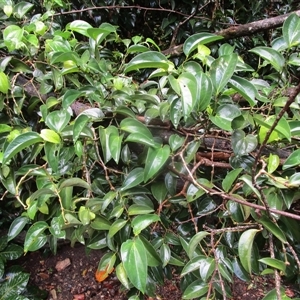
x=92 y=155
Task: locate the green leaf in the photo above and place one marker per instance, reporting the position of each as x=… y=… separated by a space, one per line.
x=159 y=191
x=141 y=222
x=273 y=163
x=99 y=34
x=141 y=139
x=85 y=215
x=205 y=91
x=188 y=91
x=192 y=42
x=149 y=59
x=272 y=228
x=292 y=160
x=282 y=128
x=122 y=276
x=134 y=178
x=194 y=192
x=196 y=289
x=70 y=97
x=156 y=158
x=58 y=120
x=224 y=116
x=12 y=36
x=78 y=182
x=4 y=83
x=12 y=252
x=175 y=142
x=21 y=142
x=165 y=254
x=274 y=263
x=291 y=30
x=273 y=295
x=14 y=285
x=101 y=223
x=35 y=237
x=116 y=226
x=22 y=8
x=270 y=55
x=50 y=136
x=80 y=27
x=139 y=209
x=222 y=70
x=245 y=248
x=135 y=262
x=194 y=242
x=152 y=256
x=230 y=178
x=243 y=144
x=16 y=227
x=134 y=126
x=245 y=88
x=79 y=125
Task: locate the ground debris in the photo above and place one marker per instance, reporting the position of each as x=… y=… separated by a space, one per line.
x=62 y=264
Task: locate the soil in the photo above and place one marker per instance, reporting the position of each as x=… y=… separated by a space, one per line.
x=70 y=275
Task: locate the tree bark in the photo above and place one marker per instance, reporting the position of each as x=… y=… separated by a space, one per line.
x=241 y=30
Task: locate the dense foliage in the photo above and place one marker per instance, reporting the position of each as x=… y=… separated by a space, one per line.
x=186 y=163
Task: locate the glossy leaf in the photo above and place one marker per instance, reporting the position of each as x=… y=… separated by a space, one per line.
x=192 y=42
x=149 y=59
x=79 y=124
x=245 y=248
x=16 y=227
x=243 y=144
x=58 y=120
x=194 y=242
x=12 y=252
x=292 y=160
x=245 y=88
x=139 y=223
x=80 y=26
x=156 y=158
x=273 y=295
x=273 y=163
x=4 y=83
x=116 y=226
x=134 y=258
x=194 y=192
x=141 y=139
x=222 y=70
x=196 y=289
x=205 y=91
x=35 y=237
x=50 y=136
x=122 y=276
x=21 y=142
x=270 y=55
x=134 y=126
x=152 y=255
x=188 y=91
x=274 y=263
x=78 y=182
x=224 y=116
x=134 y=178
x=291 y=30
x=230 y=179
x=159 y=191
x=272 y=228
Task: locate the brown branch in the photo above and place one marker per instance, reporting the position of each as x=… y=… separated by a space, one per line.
x=124 y=7
x=242 y=30
x=294 y=93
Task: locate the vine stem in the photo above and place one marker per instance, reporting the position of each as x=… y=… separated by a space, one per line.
x=289 y=102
